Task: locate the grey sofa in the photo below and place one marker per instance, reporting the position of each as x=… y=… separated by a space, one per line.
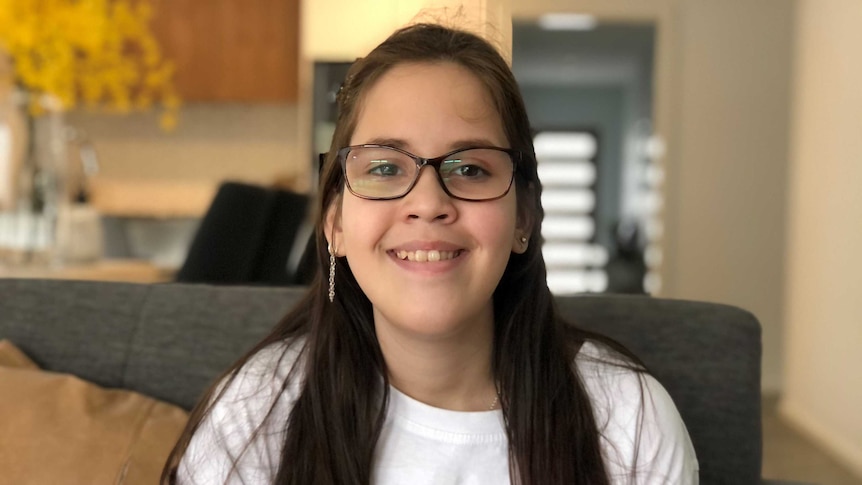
x=171 y=340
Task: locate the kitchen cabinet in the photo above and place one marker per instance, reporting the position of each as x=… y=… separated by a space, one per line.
x=231 y=50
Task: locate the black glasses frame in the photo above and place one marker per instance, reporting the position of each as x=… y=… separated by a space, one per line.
x=436 y=162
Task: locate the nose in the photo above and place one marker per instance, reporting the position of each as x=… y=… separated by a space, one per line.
x=427 y=200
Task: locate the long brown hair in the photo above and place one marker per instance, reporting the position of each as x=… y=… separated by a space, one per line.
x=335 y=423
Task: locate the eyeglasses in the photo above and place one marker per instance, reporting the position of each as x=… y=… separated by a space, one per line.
x=381 y=172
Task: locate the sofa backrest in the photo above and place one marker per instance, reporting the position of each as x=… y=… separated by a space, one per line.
x=708 y=358
x=170 y=341
x=167 y=341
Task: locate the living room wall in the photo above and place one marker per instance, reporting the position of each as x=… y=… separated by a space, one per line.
x=822 y=391
x=728 y=166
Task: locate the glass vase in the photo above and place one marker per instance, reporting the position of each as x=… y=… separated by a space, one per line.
x=32 y=175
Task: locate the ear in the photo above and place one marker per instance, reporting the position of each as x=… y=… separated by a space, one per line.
x=523 y=225
x=521 y=238
x=520 y=242
x=332 y=226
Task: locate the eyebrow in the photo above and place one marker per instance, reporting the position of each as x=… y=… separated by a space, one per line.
x=403 y=144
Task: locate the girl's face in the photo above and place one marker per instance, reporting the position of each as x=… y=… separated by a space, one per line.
x=428 y=263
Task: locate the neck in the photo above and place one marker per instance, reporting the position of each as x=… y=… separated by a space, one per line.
x=451 y=372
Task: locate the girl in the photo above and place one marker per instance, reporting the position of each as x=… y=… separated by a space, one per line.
x=428 y=349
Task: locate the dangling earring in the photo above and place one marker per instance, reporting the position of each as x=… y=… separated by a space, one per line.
x=331 y=273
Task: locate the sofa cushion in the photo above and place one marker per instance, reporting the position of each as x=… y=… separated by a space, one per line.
x=11 y=356
x=57 y=428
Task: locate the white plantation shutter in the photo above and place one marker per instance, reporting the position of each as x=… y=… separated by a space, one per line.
x=567 y=170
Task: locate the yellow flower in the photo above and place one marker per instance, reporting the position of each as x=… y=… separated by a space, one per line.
x=99 y=52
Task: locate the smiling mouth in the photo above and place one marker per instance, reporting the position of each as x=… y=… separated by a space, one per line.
x=429 y=256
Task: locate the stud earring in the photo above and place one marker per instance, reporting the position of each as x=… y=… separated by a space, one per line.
x=331 y=273
x=523 y=239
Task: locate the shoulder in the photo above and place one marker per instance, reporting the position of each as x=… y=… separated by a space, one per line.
x=643 y=435
x=262 y=377
x=240 y=438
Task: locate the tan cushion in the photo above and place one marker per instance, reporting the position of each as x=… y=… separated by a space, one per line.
x=57 y=428
x=11 y=356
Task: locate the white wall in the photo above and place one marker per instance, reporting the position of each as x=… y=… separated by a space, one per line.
x=822 y=386
x=727 y=162
x=342 y=30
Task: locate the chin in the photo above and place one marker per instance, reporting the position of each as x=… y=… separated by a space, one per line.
x=432 y=323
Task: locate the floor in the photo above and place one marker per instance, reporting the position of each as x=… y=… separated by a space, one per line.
x=788 y=455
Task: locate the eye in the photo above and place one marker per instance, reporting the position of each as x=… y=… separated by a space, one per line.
x=384 y=168
x=469 y=171
x=466 y=169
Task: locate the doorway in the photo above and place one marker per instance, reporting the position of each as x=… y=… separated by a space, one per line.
x=594 y=84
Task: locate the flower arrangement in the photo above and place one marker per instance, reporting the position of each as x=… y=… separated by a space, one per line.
x=96 y=53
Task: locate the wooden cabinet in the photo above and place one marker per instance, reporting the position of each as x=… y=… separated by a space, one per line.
x=231 y=50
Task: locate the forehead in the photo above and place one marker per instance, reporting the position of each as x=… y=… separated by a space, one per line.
x=428 y=105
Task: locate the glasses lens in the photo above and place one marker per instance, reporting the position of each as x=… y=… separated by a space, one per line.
x=478 y=173
x=379 y=172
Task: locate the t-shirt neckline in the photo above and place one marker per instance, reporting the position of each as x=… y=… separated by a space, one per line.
x=483 y=425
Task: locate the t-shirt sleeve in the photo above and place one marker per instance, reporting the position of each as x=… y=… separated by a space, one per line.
x=644 y=440
x=240 y=440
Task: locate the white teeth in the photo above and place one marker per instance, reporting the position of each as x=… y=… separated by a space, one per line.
x=423 y=256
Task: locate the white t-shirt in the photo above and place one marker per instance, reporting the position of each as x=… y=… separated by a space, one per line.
x=421 y=444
